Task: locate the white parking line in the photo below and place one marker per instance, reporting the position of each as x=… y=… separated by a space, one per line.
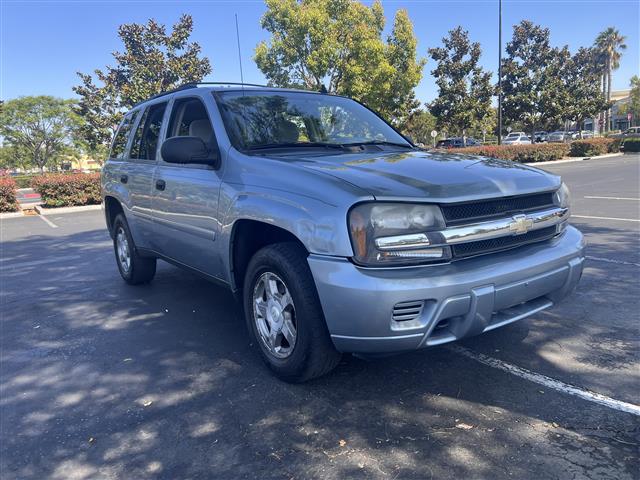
x=614 y=198
x=548 y=381
x=606 y=218
x=48 y=222
x=612 y=260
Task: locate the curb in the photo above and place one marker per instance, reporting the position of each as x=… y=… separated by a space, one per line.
x=577 y=159
x=11 y=215
x=55 y=211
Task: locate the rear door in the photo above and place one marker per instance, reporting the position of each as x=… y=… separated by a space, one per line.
x=185 y=197
x=141 y=168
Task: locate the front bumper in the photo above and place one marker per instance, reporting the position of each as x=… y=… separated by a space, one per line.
x=461 y=299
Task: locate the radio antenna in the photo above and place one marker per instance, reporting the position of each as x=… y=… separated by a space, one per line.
x=239 y=54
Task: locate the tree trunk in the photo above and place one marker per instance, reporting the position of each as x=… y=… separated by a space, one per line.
x=609 y=93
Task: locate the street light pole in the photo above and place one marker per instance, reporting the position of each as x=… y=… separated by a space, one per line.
x=499 y=72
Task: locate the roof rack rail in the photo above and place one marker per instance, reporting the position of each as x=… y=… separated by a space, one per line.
x=189 y=85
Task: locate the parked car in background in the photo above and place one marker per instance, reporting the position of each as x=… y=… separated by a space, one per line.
x=586 y=134
x=333 y=231
x=557 y=137
x=540 y=137
x=629 y=132
x=457 y=142
x=517 y=140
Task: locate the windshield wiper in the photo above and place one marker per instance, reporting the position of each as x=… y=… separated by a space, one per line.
x=378 y=142
x=267 y=146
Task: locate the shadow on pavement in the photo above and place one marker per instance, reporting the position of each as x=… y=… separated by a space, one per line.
x=103 y=380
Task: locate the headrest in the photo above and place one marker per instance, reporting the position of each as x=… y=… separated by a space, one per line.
x=202 y=129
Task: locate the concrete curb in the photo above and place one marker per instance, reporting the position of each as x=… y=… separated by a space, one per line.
x=61 y=210
x=577 y=159
x=11 y=215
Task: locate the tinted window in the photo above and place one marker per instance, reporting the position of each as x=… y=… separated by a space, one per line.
x=189 y=119
x=122 y=136
x=145 y=142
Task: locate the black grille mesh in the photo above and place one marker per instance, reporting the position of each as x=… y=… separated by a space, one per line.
x=487 y=246
x=499 y=207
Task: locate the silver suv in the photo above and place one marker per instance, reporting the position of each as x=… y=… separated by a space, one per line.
x=334 y=231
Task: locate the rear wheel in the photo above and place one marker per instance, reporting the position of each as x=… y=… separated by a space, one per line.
x=133 y=268
x=284 y=315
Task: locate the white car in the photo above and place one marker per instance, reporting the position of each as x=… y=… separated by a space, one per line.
x=519 y=139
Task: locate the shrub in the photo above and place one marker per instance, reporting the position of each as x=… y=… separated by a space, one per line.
x=592 y=147
x=520 y=153
x=632 y=144
x=8 y=201
x=23 y=181
x=61 y=190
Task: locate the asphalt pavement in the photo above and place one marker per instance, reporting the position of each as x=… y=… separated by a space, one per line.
x=101 y=380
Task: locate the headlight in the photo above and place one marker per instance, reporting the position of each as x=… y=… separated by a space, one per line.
x=562 y=197
x=396 y=234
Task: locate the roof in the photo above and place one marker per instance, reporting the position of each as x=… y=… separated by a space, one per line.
x=223 y=86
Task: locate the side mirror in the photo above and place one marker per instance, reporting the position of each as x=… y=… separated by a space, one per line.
x=184 y=150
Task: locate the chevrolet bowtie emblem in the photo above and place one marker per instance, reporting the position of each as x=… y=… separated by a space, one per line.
x=521 y=224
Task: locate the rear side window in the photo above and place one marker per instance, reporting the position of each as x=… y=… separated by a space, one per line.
x=119 y=146
x=145 y=141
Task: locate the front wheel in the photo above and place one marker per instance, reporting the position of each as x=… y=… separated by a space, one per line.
x=133 y=268
x=284 y=315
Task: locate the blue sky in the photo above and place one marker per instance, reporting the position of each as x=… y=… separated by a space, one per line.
x=43 y=43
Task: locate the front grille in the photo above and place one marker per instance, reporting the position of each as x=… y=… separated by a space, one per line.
x=473 y=212
x=405 y=311
x=469 y=249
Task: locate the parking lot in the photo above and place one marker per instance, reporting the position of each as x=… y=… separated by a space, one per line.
x=103 y=380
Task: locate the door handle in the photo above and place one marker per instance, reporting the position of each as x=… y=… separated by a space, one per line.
x=124 y=178
x=160 y=184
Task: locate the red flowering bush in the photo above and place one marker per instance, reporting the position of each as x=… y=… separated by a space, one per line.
x=8 y=201
x=60 y=190
x=520 y=153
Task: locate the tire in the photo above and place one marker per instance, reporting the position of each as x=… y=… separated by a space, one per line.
x=137 y=269
x=312 y=353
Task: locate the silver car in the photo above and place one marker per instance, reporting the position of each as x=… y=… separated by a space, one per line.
x=333 y=230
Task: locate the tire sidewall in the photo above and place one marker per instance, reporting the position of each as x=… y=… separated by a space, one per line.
x=294 y=364
x=120 y=221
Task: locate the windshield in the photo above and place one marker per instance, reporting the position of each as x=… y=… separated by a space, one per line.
x=256 y=119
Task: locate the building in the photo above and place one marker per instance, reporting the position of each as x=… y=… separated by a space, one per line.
x=619 y=119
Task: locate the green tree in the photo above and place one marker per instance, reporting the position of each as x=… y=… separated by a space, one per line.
x=464 y=88
x=583 y=85
x=534 y=93
x=38 y=130
x=633 y=106
x=153 y=61
x=610 y=45
x=338 y=45
x=419 y=126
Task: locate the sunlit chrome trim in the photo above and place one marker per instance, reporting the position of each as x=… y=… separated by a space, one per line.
x=397 y=242
x=503 y=227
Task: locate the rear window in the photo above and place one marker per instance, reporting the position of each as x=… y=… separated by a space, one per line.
x=119 y=145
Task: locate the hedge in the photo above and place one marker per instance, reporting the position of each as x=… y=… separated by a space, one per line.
x=63 y=190
x=632 y=144
x=594 y=146
x=520 y=153
x=8 y=200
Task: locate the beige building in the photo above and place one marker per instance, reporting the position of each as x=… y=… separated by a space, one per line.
x=619 y=119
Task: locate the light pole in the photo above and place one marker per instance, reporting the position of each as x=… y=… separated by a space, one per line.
x=499 y=72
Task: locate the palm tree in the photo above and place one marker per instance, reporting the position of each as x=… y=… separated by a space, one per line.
x=610 y=44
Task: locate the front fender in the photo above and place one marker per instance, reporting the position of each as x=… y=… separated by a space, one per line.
x=321 y=227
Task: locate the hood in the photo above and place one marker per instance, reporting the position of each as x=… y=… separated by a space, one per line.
x=445 y=177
